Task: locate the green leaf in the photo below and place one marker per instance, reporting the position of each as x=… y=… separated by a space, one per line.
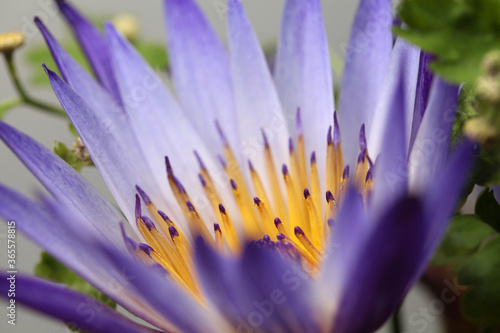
x=51 y=269
x=481 y=301
x=488 y=209
x=459 y=33
x=463 y=238
x=61 y=150
x=72 y=130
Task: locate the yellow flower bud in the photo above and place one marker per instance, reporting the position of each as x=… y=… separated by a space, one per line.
x=9 y=41
x=480 y=130
x=127 y=24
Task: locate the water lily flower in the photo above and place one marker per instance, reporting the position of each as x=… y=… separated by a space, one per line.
x=248 y=204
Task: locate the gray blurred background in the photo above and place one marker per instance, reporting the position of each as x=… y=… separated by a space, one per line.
x=17 y=15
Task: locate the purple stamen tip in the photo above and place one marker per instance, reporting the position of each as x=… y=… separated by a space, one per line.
x=336 y=135
x=222 y=209
x=362 y=137
x=137 y=206
x=331 y=223
x=200 y=162
x=329 y=138
x=173 y=232
x=250 y=165
x=369 y=174
x=346 y=172
x=298 y=231
x=163 y=216
x=146 y=248
x=266 y=238
x=179 y=185
x=284 y=169
x=190 y=206
x=170 y=172
x=233 y=184
x=290 y=145
x=143 y=195
x=216 y=227
x=299 y=123
x=307 y=194
x=280 y=236
x=266 y=143
x=221 y=133
x=147 y=222
x=361 y=156
x=202 y=180
x=329 y=197
x=257 y=201
x=313 y=157
x=222 y=161
x=277 y=222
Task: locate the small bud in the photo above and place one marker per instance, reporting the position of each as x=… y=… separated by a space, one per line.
x=488 y=88
x=491 y=63
x=128 y=25
x=81 y=152
x=480 y=130
x=9 y=41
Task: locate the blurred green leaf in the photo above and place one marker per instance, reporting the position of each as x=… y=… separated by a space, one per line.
x=463 y=237
x=61 y=150
x=154 y=53
x=51 y=269
x=488 y=209
x=482 y=274
x=459 y=33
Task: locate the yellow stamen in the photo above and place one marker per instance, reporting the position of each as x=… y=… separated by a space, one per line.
x=307 y=244
x=265 y=217
x=229 y=234
x=219 y=243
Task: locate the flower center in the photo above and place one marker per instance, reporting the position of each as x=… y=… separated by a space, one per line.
x=296 y=224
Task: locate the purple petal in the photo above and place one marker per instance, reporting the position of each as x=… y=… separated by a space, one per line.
x=160 y=126
x=257 y=102
x=67 y=240
x=346 y=240
x=430 y=150
x=93 y=45
x=172 y=303
x=65 y=184
x=200 y=72
x=382 y=269
x=77 y=310
x=303 y=75
x=109 y=155
x=425 y=79
x=366 y=60
x=400 y=82
x=259 y=281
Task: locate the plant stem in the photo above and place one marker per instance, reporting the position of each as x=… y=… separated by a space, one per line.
x=6 y=105
x=24 y=96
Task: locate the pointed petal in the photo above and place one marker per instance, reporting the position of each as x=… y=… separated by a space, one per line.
x=400 y=82
x=93 y=45
x=430 y=150
x=257 y=102
x=65 y=184
x=425 y=79
x=66 y=240
x=79 y=311
x=387 y=258
x=107 y=153
x=260 y=280
x=366 y=60
x=200 y=72
x=161 y=127
x=303 y=75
